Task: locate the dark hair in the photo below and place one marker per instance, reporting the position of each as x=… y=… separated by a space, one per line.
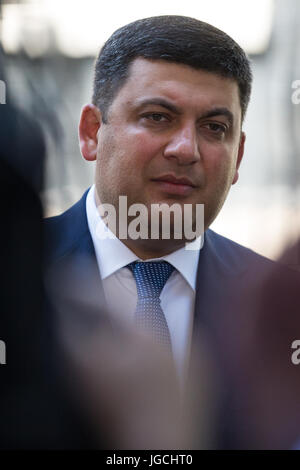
x=178 y=39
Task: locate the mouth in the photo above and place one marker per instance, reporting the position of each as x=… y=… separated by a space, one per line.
x=175 y=185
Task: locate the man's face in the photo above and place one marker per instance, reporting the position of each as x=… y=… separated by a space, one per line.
x=173 y=135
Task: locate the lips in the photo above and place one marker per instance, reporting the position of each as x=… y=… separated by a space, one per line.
x=175 y=180
x=175 y=185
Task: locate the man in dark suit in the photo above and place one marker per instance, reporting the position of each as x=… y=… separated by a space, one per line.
x=165 y=127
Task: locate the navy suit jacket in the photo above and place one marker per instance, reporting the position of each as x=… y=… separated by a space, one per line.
x=230 y=280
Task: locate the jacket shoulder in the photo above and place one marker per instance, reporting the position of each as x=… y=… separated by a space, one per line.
x=62 y=233
x=233 y=254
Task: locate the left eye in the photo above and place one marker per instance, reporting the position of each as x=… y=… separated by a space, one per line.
x=217 y=128
x=157 y=117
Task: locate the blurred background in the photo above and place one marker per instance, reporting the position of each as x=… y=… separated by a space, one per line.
x=49 y=48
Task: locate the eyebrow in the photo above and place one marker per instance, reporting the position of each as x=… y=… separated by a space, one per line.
x=160 y=102
x=218 y=111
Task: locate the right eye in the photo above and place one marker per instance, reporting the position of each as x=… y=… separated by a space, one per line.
x=156 y=117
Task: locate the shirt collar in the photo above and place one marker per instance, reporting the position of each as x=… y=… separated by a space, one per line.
x=113 y=255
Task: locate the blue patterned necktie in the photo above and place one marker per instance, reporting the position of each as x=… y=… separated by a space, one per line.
x=150 y=278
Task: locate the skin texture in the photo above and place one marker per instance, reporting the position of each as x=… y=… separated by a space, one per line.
x=167 y=119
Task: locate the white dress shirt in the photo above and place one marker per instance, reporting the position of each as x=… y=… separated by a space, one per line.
x=177 y=297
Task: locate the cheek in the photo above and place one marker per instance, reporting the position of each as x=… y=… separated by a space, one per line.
x=109 y=159
x=124 y=160
x=112 y=154
x=143 y=142
x=219 y=164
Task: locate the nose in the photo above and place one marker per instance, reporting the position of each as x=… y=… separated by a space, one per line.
x=183 y=146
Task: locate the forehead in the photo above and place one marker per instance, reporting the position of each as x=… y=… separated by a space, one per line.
x=181 y=84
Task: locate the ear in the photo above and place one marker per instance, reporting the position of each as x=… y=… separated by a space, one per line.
x=239 y=157
x=90 y=122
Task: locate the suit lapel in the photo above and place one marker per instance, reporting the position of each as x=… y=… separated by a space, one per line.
x=220 y=270
x=72 y=271
x=217 y=271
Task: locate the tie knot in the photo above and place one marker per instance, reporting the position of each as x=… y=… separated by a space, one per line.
x=150 y=277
